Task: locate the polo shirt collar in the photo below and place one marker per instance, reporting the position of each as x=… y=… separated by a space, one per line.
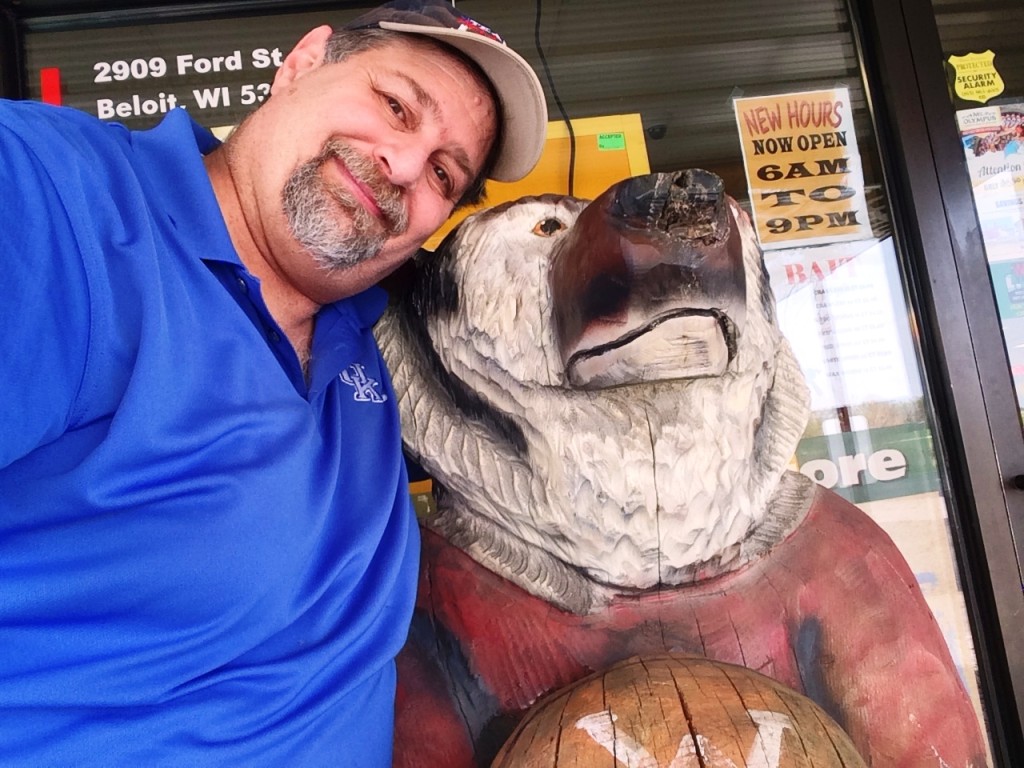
x=170 y=155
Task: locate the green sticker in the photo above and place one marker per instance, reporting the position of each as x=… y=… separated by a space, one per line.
x=607 y=141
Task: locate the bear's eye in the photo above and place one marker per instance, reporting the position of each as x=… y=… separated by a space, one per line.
x=548 y=227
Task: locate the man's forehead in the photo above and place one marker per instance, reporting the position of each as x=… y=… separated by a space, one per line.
x=416 y=44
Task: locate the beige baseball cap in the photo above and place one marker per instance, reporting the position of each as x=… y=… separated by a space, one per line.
x=524 y=113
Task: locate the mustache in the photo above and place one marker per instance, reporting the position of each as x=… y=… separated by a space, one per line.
x=389 y=198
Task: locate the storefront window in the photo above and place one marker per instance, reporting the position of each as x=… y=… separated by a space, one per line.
x=985 y=68
x=769 y=97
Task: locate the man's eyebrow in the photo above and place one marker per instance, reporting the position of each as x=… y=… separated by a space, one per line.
x=424 y=99
x=427 y=102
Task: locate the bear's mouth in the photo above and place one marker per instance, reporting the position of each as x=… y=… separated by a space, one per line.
x=680 y=344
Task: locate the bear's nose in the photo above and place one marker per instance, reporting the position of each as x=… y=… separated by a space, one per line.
x=687 y=204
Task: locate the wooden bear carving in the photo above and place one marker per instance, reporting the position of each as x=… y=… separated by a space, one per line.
x=607 y=406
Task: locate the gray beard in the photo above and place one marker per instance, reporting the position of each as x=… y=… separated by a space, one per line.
x=329 y=222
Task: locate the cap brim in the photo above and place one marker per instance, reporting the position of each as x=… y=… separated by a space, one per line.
x=523 y=106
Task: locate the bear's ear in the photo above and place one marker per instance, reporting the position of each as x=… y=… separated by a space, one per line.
x=399 y=282
x=436 y=289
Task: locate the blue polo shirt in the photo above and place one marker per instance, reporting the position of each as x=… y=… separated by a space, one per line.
x=203 y=561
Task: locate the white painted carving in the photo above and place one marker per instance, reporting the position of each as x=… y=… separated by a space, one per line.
x=601 y=728
x=639 y=484
x=764 y=752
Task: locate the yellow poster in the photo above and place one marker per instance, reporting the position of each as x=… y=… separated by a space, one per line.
x=803 y=168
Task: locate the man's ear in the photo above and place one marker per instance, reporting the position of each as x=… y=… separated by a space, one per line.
x=307 y=55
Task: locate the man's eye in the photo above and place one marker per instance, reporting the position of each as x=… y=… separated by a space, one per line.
x=396 y=107
x=444 y=179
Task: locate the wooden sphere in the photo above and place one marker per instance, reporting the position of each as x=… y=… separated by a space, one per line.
x=674 y=711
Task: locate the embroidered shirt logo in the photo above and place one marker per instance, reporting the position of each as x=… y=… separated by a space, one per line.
x=365 y=387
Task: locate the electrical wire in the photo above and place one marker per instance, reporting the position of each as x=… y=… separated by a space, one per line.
x=558 y=101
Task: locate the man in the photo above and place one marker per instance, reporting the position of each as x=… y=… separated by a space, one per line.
x=208 y=555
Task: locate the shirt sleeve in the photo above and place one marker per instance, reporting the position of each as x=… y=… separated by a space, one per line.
x=44 y=303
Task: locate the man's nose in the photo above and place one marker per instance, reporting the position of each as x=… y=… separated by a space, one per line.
x=403 y=161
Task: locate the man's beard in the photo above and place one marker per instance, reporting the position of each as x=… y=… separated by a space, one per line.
x=329 y=222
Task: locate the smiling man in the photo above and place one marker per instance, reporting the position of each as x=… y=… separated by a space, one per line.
x=208 y=549
x=371 y=152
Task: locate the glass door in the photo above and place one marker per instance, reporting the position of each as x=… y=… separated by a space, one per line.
x=983 y=46
x=945 y=77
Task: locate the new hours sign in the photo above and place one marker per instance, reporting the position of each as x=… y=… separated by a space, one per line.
x=803 y=168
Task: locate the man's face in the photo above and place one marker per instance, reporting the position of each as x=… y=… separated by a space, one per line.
x=312 y=205
x=372 y=154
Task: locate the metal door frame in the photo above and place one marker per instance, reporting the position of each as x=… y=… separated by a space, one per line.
x=964 y=360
